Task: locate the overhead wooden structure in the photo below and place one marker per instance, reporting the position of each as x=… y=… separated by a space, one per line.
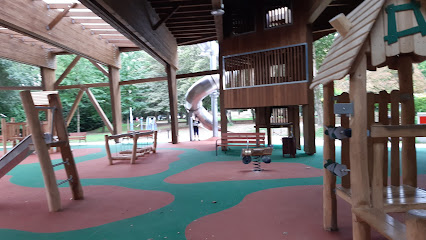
x=383 y=32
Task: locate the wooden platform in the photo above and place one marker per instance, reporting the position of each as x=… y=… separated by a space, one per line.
x=397 y=199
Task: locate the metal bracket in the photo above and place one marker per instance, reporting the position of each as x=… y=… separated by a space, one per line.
x=344 y=108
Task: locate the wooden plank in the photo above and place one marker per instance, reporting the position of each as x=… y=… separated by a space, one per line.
x=408 y=153
x=67 y=156
x=16 y=50
x=342 y=24
x=359 y=157
x=377 y=34
x=65 y=35
x=377 y=181
x=371 y=110
x=344 y=193
x=83 y=86
x=381 y=222
x=20 y=88
x=329 y=153
x=67 y=71
x=409 y=130
x=74 y=106
x=405 y=21
x=52 y=191
x=133 y=19
x=99 y=110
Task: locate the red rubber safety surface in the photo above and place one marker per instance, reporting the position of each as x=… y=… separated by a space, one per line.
x=24 y=208
x=149 y=164
x=236 y=170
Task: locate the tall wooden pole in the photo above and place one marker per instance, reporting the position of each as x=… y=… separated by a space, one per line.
x=329 y=152
x=358 y=142
x=114 y=88
x=223 y=117
x=408 y=153
x=172 y=85
x=52 y=191
x=309 y=110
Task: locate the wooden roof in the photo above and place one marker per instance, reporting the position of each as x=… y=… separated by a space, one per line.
x=344 y=51
x=190 y=22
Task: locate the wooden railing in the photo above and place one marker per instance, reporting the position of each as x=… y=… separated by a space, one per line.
x=273 y=66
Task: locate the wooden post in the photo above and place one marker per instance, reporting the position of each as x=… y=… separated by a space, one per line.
x=223 y=117
x=384 y=99
x=358 y=154
x=114 y=87
x=296 y=126
x=408 y=153
x=61 y=130
x=154 y=150
x=108 y=150
x=268 y=112
x=172 y=85
x=416 y=224
x=52 y=191
x=329 y=152
x=134 y=148
x=309 y=110
x=395 y=163
x=48 y=79
x=371 y=107
x=4 y=134
x=345 y=150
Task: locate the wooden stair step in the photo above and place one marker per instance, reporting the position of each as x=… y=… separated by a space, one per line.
x=383 y=223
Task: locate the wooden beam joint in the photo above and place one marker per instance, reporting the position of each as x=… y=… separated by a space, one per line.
x=61 y=15
x=163 y=20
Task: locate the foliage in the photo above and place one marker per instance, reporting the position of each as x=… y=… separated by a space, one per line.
x=420 y=103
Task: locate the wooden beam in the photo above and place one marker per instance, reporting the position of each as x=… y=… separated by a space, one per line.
x=68 y=70
x=317 y=8
x=74 y=106
x=16 y=50
x=134 y=20
x=20 y=88
x=99 y=110
x=172 y=85
x=83 y=86
x=98 y=66
x=32 y=17
x=179 y=76
x=59 y=17
x=199 y=40
x=48 y=79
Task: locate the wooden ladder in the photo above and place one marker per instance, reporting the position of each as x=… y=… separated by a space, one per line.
x=33 y=103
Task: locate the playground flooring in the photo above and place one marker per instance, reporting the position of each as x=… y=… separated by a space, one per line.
x=182 y=192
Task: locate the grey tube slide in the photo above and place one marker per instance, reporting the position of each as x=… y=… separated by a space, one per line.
x=196 y=93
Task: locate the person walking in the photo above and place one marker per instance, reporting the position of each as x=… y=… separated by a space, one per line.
x=195 y=124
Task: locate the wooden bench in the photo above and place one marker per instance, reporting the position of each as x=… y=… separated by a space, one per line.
x=241 y=139
x=78 y=136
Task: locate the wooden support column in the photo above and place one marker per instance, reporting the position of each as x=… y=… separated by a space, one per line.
x=52 y=191
x=358 y=155
x=384 y=99
x=329 y=152
x=268 y=112
x=345 y=150
x=296 y=125
x=370 y=121
x=309 y=110
x=171 y=81
x=48 y=78
x=408 y=153
x=114 y=87
x=223 y=117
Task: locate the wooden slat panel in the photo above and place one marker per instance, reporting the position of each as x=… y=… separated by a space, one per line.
x=398 y=131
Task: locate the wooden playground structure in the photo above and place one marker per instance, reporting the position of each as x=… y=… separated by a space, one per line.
x=136 y=151
x=369 y=39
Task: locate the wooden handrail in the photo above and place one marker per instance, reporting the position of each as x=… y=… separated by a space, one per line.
x=379 y=131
